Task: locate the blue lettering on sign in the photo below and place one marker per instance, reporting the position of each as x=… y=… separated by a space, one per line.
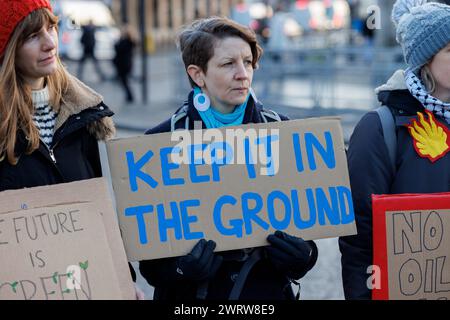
x=283 y=223
x=193 y=149
x=216 y=171
x=139 y=213
x=327 y=155
x=217 y=163
x=346 y=216
x=167 y=166
x=325 y=208
x=134 y=170
x=297 y=152
x=267 y=142
x=331 y=207
x=194 y=162
x=251 y=214
x=249 y=162
x=298 y=221
x=235 y=224
x=164 y=224
x=226 y=149
x=187 y=219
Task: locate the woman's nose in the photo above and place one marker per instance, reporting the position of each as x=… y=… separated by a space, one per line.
x=241 y=72
x=49 y=42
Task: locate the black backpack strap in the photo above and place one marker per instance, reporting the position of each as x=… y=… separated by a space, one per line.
x=270 y=116
x=389 y=133
x=245 y=270
x=178 y=116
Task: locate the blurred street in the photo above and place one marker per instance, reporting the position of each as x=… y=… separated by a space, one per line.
x=300 y=84
x=287 y=87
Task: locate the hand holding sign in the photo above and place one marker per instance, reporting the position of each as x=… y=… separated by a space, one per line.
x=201 y=263
x=290 y=255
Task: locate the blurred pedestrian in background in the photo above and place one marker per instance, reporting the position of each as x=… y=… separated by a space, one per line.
x=123 y=59
x=88 y=42
x=220 y=56
x=240 y=13
x=389 y=153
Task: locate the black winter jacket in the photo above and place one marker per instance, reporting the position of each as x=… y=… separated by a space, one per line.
x=264 y=282
x=82 y=120
x=73 y=154
x=371 y=173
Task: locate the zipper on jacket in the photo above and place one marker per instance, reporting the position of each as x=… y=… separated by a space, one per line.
x=52 y=155
x=50 y=150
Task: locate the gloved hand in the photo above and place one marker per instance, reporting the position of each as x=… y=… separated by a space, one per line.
x=291 y=255
x=201 y=263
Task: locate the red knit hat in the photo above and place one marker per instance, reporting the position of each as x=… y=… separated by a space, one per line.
x=14 y=11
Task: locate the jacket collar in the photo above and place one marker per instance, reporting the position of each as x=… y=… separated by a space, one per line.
x=78 y=98
x=395 y=94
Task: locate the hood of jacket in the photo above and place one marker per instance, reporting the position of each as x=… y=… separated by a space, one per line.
x=395 y=94
x=79 y=97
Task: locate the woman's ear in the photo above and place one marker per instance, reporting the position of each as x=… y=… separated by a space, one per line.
x=196 y=74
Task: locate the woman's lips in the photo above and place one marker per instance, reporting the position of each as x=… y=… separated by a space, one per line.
x=47 y=60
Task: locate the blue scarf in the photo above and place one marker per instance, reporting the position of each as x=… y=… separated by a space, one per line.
x=215 y=119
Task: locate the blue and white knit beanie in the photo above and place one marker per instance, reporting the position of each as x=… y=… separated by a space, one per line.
x=423 y=29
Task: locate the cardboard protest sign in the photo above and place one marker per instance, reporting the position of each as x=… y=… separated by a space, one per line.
x=411 y=240
x=62 y=242
x=234 y=185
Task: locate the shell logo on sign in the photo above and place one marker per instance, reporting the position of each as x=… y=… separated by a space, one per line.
x=431 y=139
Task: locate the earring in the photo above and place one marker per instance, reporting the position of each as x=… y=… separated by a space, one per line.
x=201 y=102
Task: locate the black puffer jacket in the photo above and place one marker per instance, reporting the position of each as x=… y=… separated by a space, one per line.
x=264 y=281
x=371 y=173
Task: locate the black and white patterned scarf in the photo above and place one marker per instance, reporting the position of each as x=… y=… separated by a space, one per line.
x=430 y=103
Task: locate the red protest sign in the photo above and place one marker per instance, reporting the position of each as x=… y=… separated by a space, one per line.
x=411 y=242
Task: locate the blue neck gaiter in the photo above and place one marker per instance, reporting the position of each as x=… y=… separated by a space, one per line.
x=215 y=119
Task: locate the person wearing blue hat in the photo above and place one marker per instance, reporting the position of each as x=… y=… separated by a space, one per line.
x=402 y=147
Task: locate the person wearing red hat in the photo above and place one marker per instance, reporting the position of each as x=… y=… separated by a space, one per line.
x=50 y=121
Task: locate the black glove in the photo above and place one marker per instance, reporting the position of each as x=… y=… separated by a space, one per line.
x=201 y=263
x=291 y=255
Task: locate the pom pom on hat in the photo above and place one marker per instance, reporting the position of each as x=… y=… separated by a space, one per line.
x=402 y=7
x=423 y=29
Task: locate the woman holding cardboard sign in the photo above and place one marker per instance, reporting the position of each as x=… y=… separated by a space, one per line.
x=220 y=57
x=49 y=121
x=403 y=148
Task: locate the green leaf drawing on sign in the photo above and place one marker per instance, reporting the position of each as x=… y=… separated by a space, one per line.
x=14 y=285
x=53 y=292
x=66 y=291
x=84 y=265
x=55 y=280
x=69 y=275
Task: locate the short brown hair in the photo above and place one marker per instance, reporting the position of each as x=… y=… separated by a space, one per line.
x=197 y=41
